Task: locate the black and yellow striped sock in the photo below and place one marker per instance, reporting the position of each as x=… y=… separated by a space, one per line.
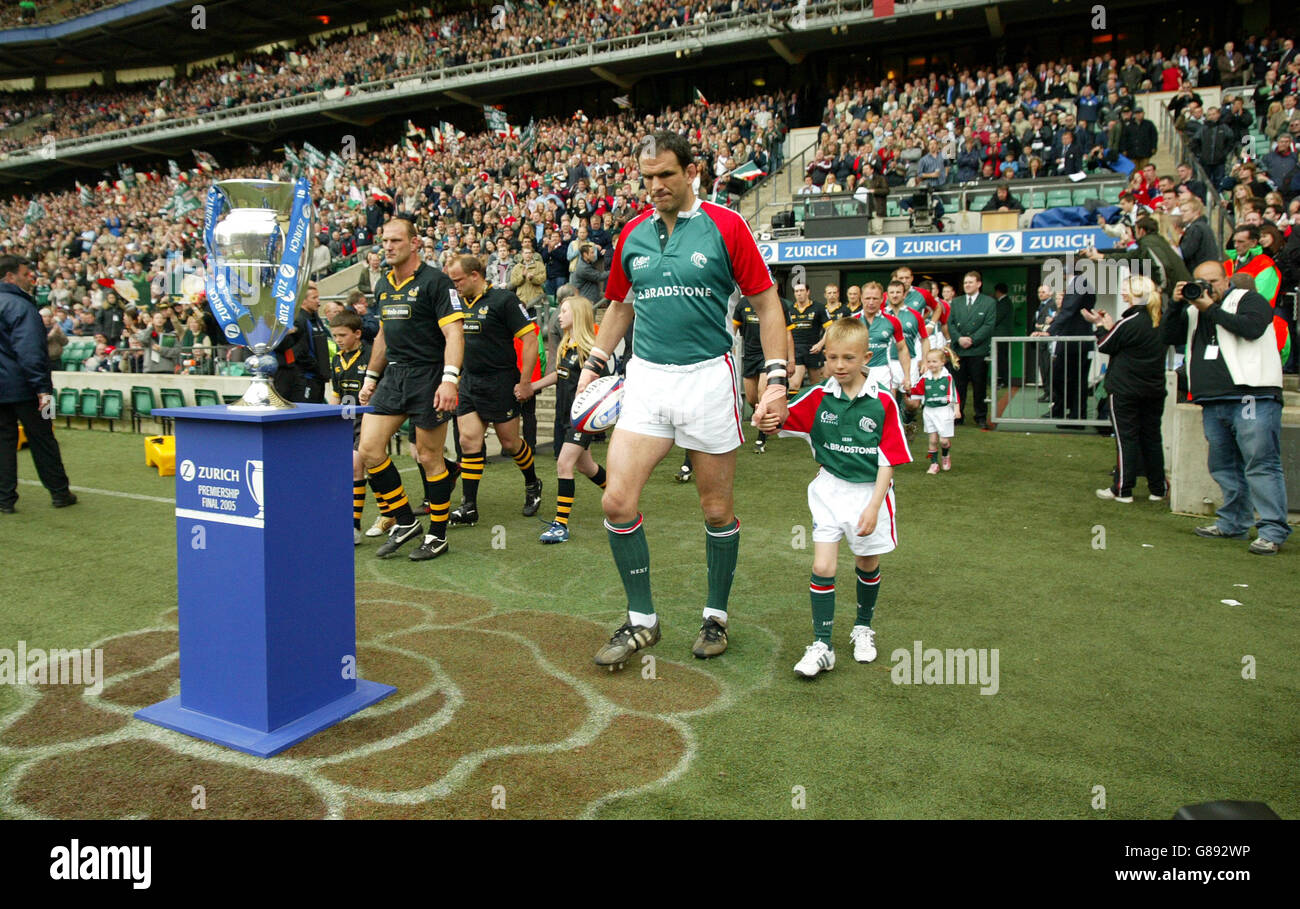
x=471 y=472
x=358 y=501
x=563 y=499
x=437 y=490
x=599 y=477
x=524 y=461
x=387 y=485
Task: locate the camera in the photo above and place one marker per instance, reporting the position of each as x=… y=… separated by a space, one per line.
x=1194 y=290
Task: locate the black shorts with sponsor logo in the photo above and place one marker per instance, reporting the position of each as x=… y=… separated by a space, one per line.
x=408 y=391
x=491 y=396
x=811 y=360
x=753 y=366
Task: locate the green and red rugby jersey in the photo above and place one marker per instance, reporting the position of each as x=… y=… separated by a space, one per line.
x=913 y=331
x=684 y=285
x=883 y=334
x=936 y=392
x=851 y=437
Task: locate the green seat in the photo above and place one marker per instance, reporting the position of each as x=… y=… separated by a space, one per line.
x=236 y=369
x=88 y=405
x=142 y=404
x=1057 y=198
x=111 y=406
x=173 y=397
x=892 y=209
x=978 y=202
x=68 y=404
x=206 y=397
x=799 y=213
x=230 y=399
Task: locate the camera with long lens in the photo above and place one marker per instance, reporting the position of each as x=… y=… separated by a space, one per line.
x=1194 y=290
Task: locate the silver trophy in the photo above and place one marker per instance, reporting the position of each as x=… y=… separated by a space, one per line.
x=258 y=270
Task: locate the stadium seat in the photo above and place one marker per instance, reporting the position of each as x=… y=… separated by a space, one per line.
x=68 y=404
x=892 y=209
x=206 y=397
x=111 y=406
x=1058 y=198
x=977 y=203
x=160 y=452
x=173 y=397
x=142 y=404
x=230 y=399
x=88 y=405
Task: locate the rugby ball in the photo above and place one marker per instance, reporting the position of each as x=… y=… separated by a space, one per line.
x=597 y=407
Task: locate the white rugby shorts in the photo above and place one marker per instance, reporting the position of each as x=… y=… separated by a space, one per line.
x=836 y=506
x=883 y=376
x=939 y=419
x=896 y=373
x=698 y=405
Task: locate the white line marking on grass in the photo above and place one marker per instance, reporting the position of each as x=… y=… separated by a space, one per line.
x=109 y=492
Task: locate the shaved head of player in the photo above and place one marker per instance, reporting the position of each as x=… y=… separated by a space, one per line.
x=413 y=373
x=871 y=298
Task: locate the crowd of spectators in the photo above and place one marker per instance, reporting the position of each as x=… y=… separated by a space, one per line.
x=1007 y=123
x=412 y=45
x=541 y=209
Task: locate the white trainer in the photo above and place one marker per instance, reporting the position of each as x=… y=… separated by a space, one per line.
x=381 y=526
x=817 y=657
x=864 y=643
x=1110 y=494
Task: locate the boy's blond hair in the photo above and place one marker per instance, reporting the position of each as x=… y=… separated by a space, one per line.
x=847 y=331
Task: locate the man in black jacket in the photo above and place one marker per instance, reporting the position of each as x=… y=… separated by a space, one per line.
x=1138 y=139
x=1211 y=145
x=1197 y=244
x=1234 y=374
x=26 y=389
x=1071 y=360
x=310 y=350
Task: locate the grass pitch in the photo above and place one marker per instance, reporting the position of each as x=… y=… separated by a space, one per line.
x=1119 y=667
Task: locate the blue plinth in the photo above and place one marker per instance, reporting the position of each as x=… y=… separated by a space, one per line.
x=265 y=577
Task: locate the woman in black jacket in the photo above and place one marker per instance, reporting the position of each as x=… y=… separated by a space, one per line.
x=1135 y=381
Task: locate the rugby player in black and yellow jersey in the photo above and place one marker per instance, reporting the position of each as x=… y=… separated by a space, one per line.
x=746 y=323
x=414 y=370
x=491 y=390
x=347 y=373
x=806 y=321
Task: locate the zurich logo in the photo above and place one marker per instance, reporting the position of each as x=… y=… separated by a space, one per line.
x=880 y=247
x=866 y=424
x=231 y=331
x=287 y=270
x=699 y=260
x=767 y=251
x=187 y=470
x=1003 y=243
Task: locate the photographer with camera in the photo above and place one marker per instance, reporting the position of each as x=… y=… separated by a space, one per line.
x=1234 y=373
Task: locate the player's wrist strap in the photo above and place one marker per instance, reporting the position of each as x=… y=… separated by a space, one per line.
x=776 y=372
x=371 y=374
x=451 y=374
